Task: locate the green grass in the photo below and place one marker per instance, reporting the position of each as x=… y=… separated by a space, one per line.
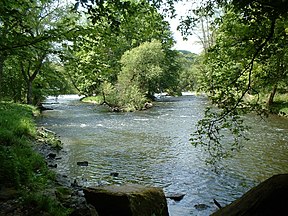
x=38 y=203
x=18 y=161
x=21 y=167
x=16 y=122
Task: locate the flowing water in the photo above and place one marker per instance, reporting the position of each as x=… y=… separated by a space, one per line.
x=152 y=148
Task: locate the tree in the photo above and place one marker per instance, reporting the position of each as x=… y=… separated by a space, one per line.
x=95 y=56
x=30 y=69
x=237 y=69
x=31 y=34
x=16 y=19
x=140 y=76
x=143 y=72
x=143 y=65
x=188 y=77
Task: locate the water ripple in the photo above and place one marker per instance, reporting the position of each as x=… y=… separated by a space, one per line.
x=152 y=148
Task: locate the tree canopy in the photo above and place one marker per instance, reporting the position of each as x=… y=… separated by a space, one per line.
x=31 y=32
x=241 y=67
x=97 y=47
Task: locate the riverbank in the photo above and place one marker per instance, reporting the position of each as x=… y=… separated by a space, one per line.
x=30 y=187
x=93 y=99
x=27 y=155
x=152 y=148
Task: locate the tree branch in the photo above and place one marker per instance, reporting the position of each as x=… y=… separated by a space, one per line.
x=249 y=66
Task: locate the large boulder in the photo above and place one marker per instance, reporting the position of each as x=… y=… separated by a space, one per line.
x=267 y=199
x=127 y=200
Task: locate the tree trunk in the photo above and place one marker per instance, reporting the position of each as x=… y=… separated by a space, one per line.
x=29 y=92
x=205 y=42
x=2 y=59
x=30 y=78
x=272 y=95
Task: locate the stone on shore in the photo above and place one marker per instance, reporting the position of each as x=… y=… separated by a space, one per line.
x=267 y=199
x=127 y=200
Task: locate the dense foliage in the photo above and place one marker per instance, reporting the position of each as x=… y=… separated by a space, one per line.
x=142 y=74
x=95 y=59
x=30 y=35
x=242 y=71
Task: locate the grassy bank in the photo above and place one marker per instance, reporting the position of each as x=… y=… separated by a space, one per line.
x=24 y=175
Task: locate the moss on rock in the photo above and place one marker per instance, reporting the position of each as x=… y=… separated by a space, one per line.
x=128 y=200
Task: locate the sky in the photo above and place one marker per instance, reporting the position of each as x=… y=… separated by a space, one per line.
x=192 y=44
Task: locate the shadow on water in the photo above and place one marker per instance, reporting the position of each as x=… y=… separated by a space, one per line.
x=152 y=148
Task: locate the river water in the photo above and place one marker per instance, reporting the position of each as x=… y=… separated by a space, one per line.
x=152 y=148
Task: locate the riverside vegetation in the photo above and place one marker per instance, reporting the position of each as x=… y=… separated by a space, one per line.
x=24 y=175
x=123 y=52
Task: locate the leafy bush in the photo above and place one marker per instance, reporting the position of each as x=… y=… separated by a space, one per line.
x=131 y=98
x=110 y=94
x=142 y=70
x=143 y=66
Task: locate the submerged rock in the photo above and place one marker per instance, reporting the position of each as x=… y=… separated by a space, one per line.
x=114 y=174
x=52 y=155
x=201 y=206
x=42 y=108
x=52 y=165
x=267 y=199
x=82 y=163
x=127 y=200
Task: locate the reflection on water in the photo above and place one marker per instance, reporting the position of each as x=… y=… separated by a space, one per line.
x=152 y=148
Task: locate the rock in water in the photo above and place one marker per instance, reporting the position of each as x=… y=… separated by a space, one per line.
x=267 y=199
x=114 y=174
x=176 y=197
x=51 y=155
x=201 y=206
x=127 y=200
x=82 y=163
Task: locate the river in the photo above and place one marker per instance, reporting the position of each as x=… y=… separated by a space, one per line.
x=152 y=148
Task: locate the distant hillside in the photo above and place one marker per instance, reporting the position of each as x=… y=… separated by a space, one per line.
x=184 y=51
